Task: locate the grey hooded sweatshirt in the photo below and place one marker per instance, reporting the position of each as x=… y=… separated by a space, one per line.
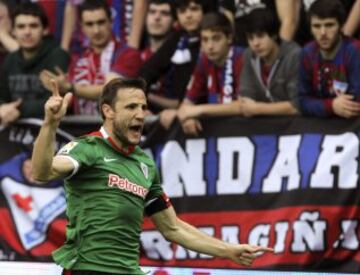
x=282 y=84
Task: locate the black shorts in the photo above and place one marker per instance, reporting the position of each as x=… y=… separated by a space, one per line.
x=84 y=272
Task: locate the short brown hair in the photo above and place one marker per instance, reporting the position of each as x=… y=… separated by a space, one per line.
x=328 y=9
x=111 y=89
x=216 y=21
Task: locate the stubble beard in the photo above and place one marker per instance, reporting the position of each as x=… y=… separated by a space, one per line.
x=119 y=134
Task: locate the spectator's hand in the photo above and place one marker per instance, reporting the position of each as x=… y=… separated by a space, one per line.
x=344 y=106
x=244 y=254
x=9 y=112
x=188 y=111
x=191 y=126
x=56 y=106
x=248 y=107
x=60 y=77
x=167 y=118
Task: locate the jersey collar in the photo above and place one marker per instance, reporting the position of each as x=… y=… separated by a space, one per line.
x=124 y=150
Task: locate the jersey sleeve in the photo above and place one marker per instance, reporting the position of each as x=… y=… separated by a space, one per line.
x=80 y=152
x=156 y=199
x=155 y=189
x=127 y=63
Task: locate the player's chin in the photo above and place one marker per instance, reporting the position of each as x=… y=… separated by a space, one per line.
x=134 y=139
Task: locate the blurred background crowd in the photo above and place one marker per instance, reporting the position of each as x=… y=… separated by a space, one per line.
x=199 y=58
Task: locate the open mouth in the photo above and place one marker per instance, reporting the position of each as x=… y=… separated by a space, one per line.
x=136 y=128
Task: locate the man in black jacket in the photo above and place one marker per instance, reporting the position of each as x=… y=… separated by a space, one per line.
x=21 y=92
x=176 y=58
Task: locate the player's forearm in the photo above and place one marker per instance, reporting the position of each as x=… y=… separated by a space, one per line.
x=92 y=92
x=193 y=239
x=43 y=152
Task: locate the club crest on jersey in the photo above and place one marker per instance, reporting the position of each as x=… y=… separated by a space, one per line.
x=144 y=169
x=67 y=148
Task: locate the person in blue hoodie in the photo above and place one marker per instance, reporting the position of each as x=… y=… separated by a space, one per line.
x=21 y=91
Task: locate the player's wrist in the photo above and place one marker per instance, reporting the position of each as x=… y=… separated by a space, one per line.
x=225 y=250
x=51 y=121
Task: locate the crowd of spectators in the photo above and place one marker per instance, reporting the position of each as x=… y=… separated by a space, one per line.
x=199 y=58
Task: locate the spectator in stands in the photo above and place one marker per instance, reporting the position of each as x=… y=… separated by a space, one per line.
x=159 y=23
x=177 y=57
x=128 y=21
x=287 y=11
x=54 y=11
x=269 y=79
x=106 y=58
x=350 y=27
x=214 y=84
x=21 y=92
x=330 y=65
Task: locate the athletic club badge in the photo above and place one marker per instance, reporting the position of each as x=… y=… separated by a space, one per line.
x=144 y=169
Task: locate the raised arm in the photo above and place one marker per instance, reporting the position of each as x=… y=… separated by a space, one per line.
x=137 y=23
x=288 y=12
x=353 y=21
x=68 y=25
x=186 y=235
x=45 y=166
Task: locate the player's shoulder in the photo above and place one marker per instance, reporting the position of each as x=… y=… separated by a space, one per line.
x=88 y=140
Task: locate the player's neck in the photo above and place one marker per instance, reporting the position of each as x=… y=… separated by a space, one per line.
x=109 y=130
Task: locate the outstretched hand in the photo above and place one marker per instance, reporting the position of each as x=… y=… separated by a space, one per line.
x=56 y=106
x=47 y=77
x=9 y=112
x=244 y=254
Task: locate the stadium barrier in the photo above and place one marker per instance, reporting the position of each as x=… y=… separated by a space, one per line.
x=290 y=183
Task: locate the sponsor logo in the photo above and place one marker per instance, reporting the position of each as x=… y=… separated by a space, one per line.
x=126 y=185
x=109 y=159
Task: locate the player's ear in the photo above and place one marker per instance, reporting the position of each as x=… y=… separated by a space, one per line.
x=108 y=111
